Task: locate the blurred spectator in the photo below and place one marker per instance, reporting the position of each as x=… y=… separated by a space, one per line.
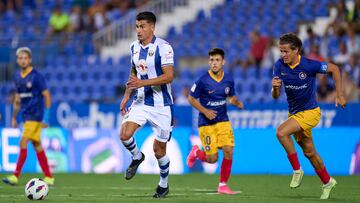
x=59 y=21
x=76 y=19
x=11 y=5
x=311 y=39
x=272 y=54
x=343 y=56
x=257 y=48
x=353 y=41
x=352 y=68
x=325 y=91
x=182 y=100
x=314 y=53
x=351 y=90
x=96 y=14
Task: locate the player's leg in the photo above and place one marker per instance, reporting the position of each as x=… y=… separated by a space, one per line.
x=135 y=118
x=208 y=139
x=126 y=136
x=13 y=179
x=308 y=147
x=43 y=162
x=226 y=142
x=283 y=133
x=164 y=164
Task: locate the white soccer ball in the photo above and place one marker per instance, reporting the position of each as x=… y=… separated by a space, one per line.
x=36 y=189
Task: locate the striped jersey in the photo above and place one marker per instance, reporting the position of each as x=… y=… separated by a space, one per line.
x=299 y=82
x=29 y=89
x=148 y=61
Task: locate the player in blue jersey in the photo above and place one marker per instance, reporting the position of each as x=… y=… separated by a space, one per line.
x=33 y=100
x=298 y=75
x=209 y=95
x=152 y=71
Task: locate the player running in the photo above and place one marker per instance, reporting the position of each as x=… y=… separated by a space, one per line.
x=152 y=71
x=298 y=75
x=214 y=89
x=33 y=100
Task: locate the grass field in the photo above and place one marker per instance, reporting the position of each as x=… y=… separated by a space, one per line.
x=184 y=188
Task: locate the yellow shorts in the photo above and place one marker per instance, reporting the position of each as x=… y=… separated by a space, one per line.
x=32 y=130
x=216 y=136
x=307 y=120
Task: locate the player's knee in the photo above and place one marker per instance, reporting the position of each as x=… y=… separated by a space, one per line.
x=280 y=133
x=24 y=142
x=125 y=135
x=310 y=153
x=159 y=152
x=211 y=159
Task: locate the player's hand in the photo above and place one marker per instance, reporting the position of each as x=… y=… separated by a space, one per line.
x=14 y=123
x=134 y=83
x=44 y=125
x=276 y=82
x=240 y=105
x=123 y=109
x=210 y=114
x=340 y=100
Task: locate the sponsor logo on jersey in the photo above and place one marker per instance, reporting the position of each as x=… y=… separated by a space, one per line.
x=227 y=90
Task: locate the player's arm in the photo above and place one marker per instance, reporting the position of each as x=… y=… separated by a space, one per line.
x=276 y=87
x=210 y=114
x=128 y=92
x=234 y=101
x=47 y=99
x=165 y=78
x=16 y=109
x=335 y=72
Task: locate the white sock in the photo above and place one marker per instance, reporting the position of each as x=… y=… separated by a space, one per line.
x=164 y=164
x=130 y=145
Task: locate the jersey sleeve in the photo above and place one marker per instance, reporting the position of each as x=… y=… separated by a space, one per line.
x=318 y=67
x=166 y=54
x=276 y=70
x=131 y=56
x=40 y=82
x=195 y=90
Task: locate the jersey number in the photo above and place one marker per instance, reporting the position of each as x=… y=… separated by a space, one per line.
x=207 y=140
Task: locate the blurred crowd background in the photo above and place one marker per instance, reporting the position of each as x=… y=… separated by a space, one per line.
x=61 y=35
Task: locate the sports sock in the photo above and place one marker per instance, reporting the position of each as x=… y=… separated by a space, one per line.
x=43 y=163
x=130 y=145
x=225 y=170
x=323 y=175
x=293 y=158
x=164 y=164
x=20 y=162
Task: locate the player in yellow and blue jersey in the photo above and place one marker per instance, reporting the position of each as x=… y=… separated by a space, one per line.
x=298 y=75
x=210 y=95
x=33 y=101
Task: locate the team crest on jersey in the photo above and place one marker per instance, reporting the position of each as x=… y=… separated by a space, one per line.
x=302 y=75
x=207 y=148
x=227 y=90
x=28 y=84
x=151 y=53
x=142 y=67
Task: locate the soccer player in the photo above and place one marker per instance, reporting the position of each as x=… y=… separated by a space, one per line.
x=33 y=100
x=298 y=75
x=214 y=89
x=152 y=71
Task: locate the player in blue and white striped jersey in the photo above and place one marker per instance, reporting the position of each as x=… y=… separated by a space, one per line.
x=152 y=71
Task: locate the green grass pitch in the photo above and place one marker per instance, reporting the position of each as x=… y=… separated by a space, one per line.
x=184 y=188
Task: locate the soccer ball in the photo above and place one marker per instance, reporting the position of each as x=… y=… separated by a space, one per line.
x=36 y=189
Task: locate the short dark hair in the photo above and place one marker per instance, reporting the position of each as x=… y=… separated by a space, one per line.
x=146 y=15
x=216 y=51
x=292 y=39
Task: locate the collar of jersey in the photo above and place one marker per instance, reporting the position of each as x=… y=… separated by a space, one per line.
x=152 y=42
x=296 y=64
x=26 y=74
x=214 y=77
